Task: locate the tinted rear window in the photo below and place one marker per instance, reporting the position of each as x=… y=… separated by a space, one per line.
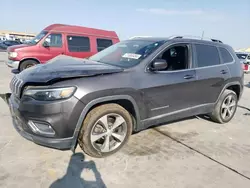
x=103 y=43
x=242 y=56
x=78 y=44
x=226 y=56
x=207 y=55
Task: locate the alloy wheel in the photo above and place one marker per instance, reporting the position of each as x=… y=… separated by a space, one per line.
x=108 y=132
x=228 y=107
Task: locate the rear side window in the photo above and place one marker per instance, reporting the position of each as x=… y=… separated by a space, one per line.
x=78 y=44
x=103 y=43
x=226 y=56
x=207 y=55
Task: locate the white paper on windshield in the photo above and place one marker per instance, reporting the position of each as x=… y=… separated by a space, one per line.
x=131 y=56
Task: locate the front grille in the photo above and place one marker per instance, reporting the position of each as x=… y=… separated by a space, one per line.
x=16 y=86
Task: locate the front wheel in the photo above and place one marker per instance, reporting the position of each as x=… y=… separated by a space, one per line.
x=105 y=130
x=27 y=64
x=226 y=107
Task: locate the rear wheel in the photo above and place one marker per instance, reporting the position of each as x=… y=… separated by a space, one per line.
x=105 y=130
x=27 y=64
x=225 y=108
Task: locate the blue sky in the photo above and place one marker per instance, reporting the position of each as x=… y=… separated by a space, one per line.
x=227 y=20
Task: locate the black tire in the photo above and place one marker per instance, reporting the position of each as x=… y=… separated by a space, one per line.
x=26 y=64
x=216 y=115
x=92 y=117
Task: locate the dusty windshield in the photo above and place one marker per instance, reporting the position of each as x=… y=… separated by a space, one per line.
x=127 y=54
x=37 y=38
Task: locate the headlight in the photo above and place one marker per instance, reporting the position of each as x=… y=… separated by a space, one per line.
x=13 y=54
x=50 y=94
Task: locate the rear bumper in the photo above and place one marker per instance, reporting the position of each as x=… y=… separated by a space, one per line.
x=20 y=121
x=13 y=64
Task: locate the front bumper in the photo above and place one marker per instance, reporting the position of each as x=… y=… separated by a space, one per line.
x=12 y=64
x=21 y=118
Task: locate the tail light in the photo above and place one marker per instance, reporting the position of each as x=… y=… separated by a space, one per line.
x=246 y=67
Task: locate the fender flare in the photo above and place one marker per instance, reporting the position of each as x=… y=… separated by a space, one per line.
x=228 y=85
x=100 y=100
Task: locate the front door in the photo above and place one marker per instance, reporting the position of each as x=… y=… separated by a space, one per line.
x=173 y=89
x=171 y=92
x=52 y=46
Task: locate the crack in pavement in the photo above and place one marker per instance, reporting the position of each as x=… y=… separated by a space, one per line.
x=245 y=108
x=201 y=153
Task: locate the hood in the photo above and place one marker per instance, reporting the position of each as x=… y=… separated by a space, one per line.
x=12 y=48
x=63 y=67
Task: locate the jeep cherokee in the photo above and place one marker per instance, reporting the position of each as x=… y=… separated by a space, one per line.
x=135 y=84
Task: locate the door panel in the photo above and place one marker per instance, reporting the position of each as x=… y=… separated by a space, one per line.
x=79 y=46
x=170 y=91
x=210 y=81
x=174 y=89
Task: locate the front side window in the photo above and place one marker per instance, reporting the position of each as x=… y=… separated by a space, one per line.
x=54 y=40
x=176 y=57
x=103 y=43
x=248 y=57
x=207 y=55
x=128 y=53
x=37 y=38
x=78 y=44
x=226 y=56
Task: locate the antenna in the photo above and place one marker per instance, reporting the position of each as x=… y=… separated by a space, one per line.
x=202 y=35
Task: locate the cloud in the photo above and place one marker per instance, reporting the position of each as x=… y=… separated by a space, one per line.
x=170 y=12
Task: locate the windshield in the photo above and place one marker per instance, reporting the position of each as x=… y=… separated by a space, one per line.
x=242 y=56
x=37 y=38
x=126 y=54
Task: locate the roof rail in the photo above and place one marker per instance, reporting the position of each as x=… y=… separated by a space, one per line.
x=194 y=37
x=135 y=37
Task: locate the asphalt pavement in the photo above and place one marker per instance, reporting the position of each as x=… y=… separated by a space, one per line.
x=191 y=153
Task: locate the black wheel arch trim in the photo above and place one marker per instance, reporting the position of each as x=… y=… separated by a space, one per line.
x=97 y=101
x=228 y=85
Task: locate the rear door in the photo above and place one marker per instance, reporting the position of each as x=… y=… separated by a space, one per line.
x=54 y=47
x=79 y=46
x=211 y=73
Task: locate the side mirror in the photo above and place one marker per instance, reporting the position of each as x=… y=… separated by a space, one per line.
x=159 y=65
x=45 y=44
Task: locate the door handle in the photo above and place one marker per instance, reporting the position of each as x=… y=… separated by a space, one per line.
x=223 y=72
x=188 y=77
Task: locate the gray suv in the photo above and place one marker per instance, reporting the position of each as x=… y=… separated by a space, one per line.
x=135 y=84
